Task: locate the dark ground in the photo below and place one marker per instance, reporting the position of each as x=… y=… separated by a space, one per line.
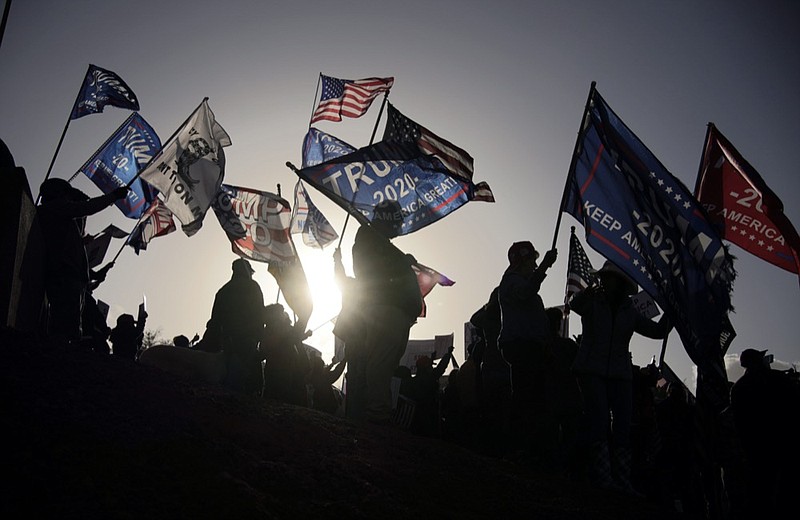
x=98 y=437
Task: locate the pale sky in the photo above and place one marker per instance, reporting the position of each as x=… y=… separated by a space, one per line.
x=505 y=80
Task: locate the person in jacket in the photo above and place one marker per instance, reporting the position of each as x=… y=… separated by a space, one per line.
x=386 y=296
x=524 y=341
x=62 y=216
x=604 y=369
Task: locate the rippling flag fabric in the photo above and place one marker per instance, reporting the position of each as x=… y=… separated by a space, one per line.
x=643 y=219
x=102 y=87
x=119 y=160
x=348 y=98
x=189 y=169
x=258 y=226
x=745 y=210
x=309 y=221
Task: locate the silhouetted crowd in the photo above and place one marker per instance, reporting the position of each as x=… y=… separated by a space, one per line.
x=577 y=408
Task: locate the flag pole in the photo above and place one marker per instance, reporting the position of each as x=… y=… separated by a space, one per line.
x=314 y=103
x=158 y=154
x=105 y=143
x=663 y=350
x=64 y=132
x=6 y=10
x=572 y=162
x=709 y=127
x=358 y=182
x=128 y=238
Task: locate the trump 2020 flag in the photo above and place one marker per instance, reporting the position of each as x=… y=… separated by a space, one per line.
x=391 y=169
x=102 y=87
x=309 y=221
x=349 y=98
x=258 y=225
x=745 y=210
x=157 y=221
x=319 y=147
x=118 y=161
x=188 y=170
x=456 y=160
x=640 y=217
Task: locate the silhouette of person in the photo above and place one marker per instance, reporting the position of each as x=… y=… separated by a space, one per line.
x=604 y=369
x=236 y=325
x=62 y=215
x=321 y=378
x=181 y=341
x=765 y=404
x=495 y=380
x=425 y=393
x=126 y=337
x=563 y=398
x=524 y=341
x=676 y=461
x=286 y=365
x=388 y=301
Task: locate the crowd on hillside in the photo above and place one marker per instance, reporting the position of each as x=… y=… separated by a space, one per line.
x=573 y=407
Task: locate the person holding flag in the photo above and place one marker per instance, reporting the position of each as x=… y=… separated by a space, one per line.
x=604 y=368
x=524 y=343
x=386 y=297
x=61 y=217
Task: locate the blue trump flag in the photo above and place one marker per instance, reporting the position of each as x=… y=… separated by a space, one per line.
x=102 y=87
x=640 y=217
x=319 y=147
x=120 y=158
x=358 y=180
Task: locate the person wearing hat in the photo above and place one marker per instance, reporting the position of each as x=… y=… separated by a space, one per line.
x=524 y=343
x=385 y=297
x=604 y=369
x=236 y=325
x=765 y=403
x=62 y=215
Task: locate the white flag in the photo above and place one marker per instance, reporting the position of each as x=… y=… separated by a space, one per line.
x=308 y=220
x=188 y=170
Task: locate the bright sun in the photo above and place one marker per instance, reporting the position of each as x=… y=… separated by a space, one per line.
x=318 y=266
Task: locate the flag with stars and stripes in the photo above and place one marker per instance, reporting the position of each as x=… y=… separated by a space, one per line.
x=644 y=220
x=348 y=98
x=580 y=273
x=747 y=212
x=457 y=161
x=358 y=180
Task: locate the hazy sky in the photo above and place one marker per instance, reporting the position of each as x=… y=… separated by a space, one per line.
x=505 y=80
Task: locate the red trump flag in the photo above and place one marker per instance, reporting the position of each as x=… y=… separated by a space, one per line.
x=741 y=205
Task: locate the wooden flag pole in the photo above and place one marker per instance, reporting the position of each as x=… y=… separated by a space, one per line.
x=63 y=133
x=573 y=161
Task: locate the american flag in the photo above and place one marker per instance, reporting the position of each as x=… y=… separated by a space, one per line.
x=350 y=98
x=400 y=128
x=157 y=221
x=580 y=273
